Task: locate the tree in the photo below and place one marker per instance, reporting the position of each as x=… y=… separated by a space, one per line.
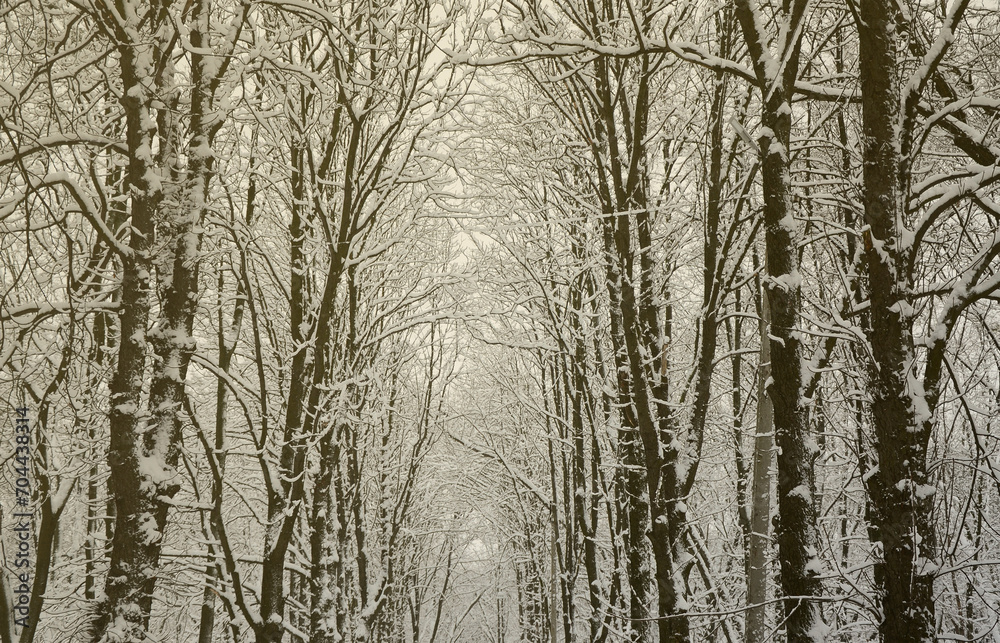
x=169 y=199
x=798 y=540
x=436 y=323
x=908 y=373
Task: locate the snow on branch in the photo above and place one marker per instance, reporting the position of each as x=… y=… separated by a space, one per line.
x=687 y=51
x=979 y=177
x=932 y=59
x=88 y=208
x=43 y=143
x=40 y=310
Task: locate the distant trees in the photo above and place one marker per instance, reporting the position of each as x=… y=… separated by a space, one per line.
x=625 y=187
x=561 y=49
x=401 y=321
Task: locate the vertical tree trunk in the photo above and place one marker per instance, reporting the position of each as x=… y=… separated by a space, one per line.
x=129 y=594
x=324 y=624
x=562 y=564
x=576 y=382
x=52 y=500
x=633 y=491
x=760 y=493
x=145 y=449
x=326 y=619
x=797 y=535
x=226 y=347
x=798 y=539
x=99 y=519
x=279 y=493
x=901 y=412
x=6 y=605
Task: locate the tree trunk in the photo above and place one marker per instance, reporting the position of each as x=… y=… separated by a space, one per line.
x=129 y=594
x=226 y=346
x=797 y=534
x=633 y=491
x=759 y=540
x=145 y=449
x=901 y=414
x=586 y=514
x=6 y=605
x=324 y=624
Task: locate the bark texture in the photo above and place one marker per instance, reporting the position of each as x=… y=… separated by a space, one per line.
x=901 y=409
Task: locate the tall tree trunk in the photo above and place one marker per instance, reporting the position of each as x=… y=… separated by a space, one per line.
x=324 y=624
x=279 y=493
x=145 y=448
x=902 y=407
x=633 y=491
x=760 y=493
x=797 y=534
x=585 y=513
x=226 y=345
x=129 y=594
x=52 y=500
x=99 y=520
x=6 y=606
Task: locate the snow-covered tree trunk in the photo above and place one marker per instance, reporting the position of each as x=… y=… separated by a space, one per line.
x=327 y=537
x=633 y=490
x=758 y=541
x=227 y=340
x=797 y=534
x=325 y=619
x=585 y=500
x=902 y=403
x=172 y=337
x=135 y=487
x=282 y=492
x=95 y=525
x=145 y=448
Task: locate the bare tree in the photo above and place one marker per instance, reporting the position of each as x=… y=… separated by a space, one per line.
x=905 y=214
x=798 y=541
